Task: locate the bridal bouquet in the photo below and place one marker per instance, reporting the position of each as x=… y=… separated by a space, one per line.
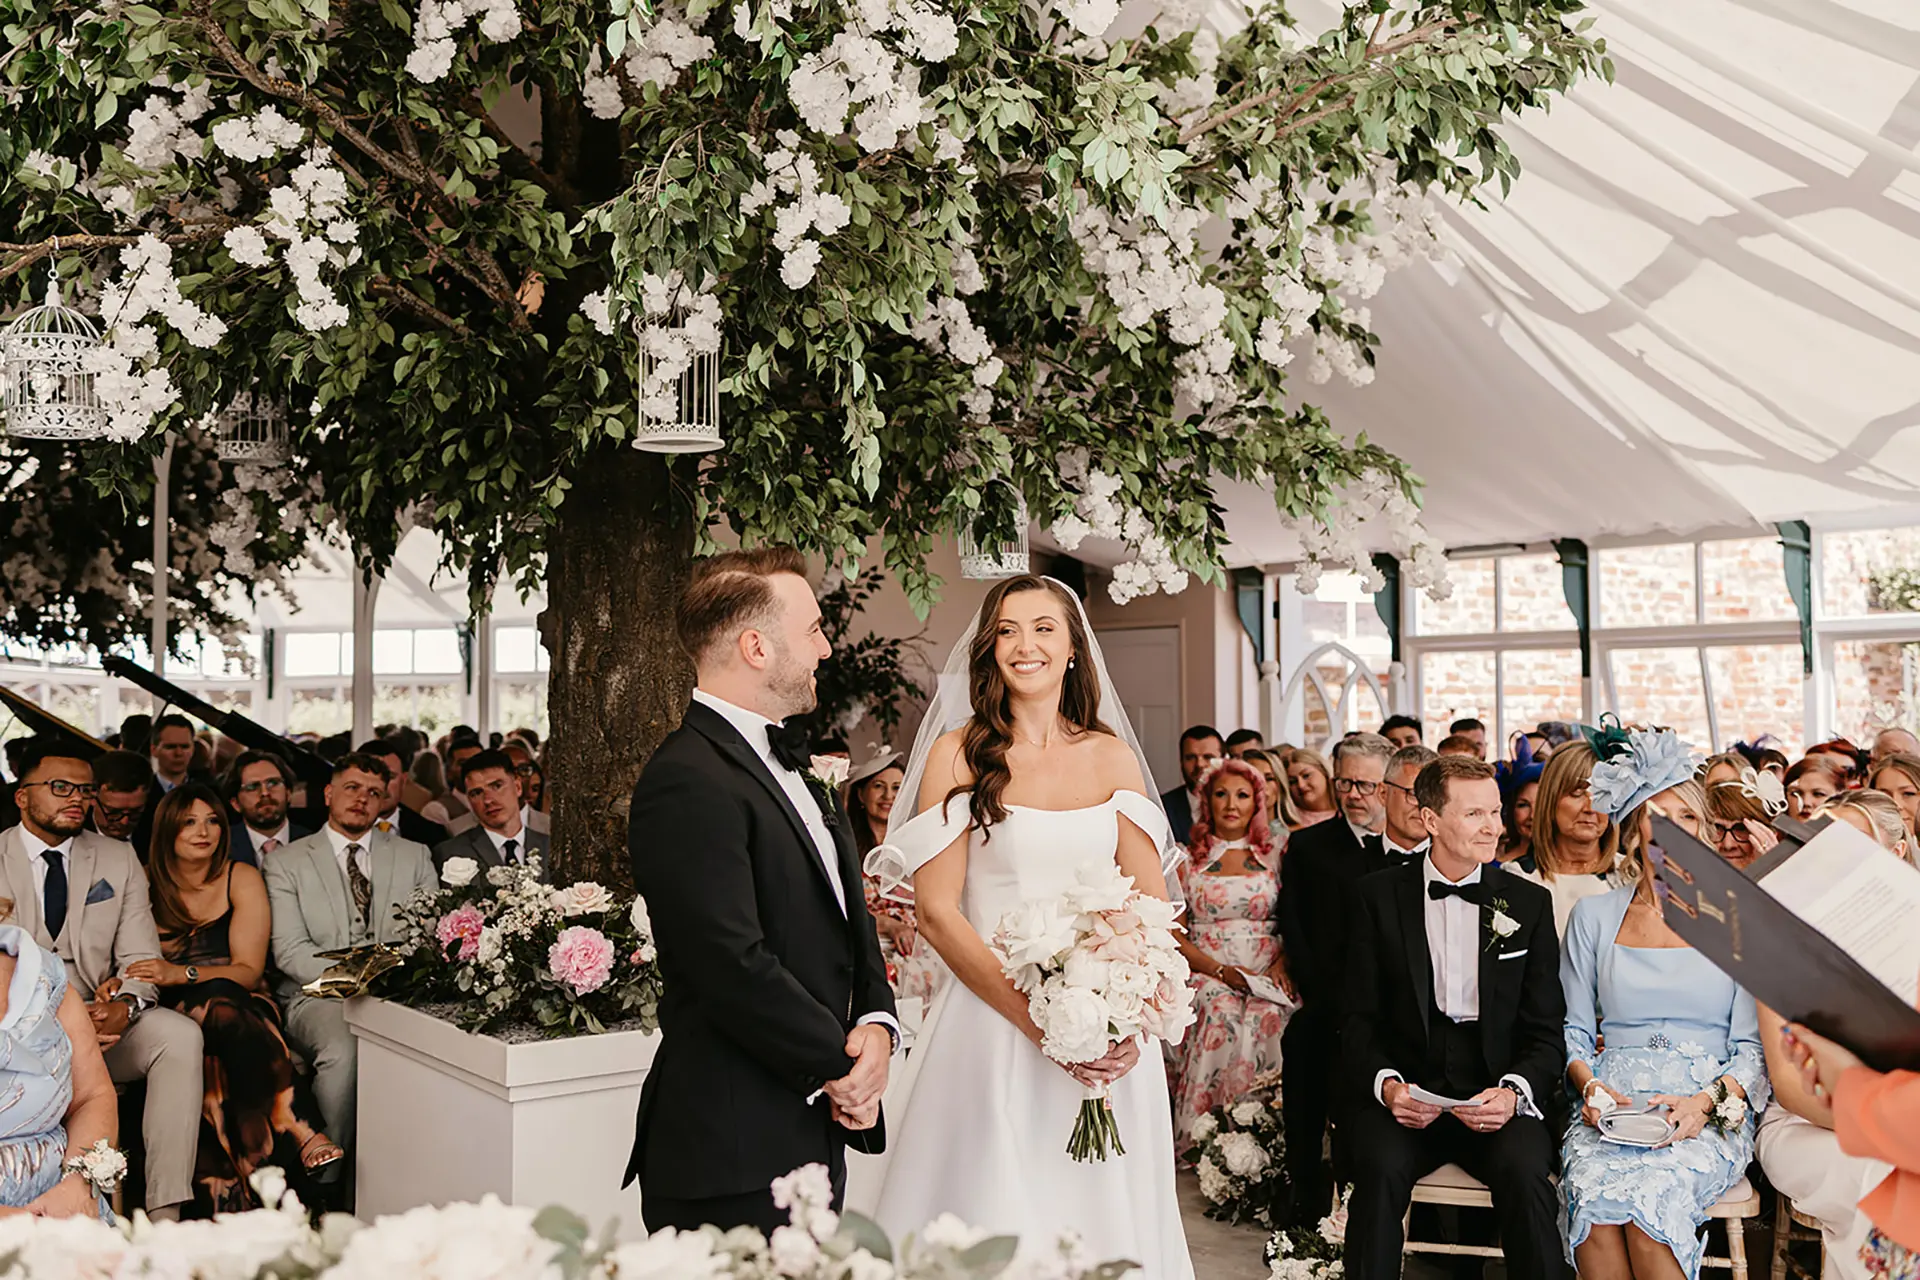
x=1098 y=964
x=501 y=947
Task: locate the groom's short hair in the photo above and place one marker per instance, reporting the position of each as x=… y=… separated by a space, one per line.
x=731 y=592
x=1430 y=788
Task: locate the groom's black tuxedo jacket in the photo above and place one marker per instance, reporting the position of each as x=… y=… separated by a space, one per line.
x=763 y=975
x=1391 y=1012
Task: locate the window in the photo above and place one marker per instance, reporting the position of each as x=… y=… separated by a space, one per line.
x=323 y=711
x=521 y=704
x=437 y=652
x=1647 y=586
x=1757 y=691
x=1744 y=580
x=1663 y=687
x=1455 y=686
x=518 y=649
x=1876 y=685
x=320 y=653
x=1861 y=572
x=1469 y=610
x=1532 y=595
x=1536 y=685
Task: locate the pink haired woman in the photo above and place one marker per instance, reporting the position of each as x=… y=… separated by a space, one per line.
x=1231 y=879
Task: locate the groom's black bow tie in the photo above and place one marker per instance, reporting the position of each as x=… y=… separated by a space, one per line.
x=1476 y=893
x=789 y=743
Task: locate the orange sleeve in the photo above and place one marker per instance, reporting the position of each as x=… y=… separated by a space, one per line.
x=1878 y=1116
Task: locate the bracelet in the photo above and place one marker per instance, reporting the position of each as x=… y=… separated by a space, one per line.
x=100 y=1166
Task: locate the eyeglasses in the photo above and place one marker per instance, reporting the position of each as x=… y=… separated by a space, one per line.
x=1405 y=791
x=64 y=790
x=255 y=788
x=1355 y=786
x=524 y=770
x=1722 y=831
x=117 y=813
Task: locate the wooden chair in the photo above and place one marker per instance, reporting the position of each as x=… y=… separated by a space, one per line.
x=1791 y=1227
x=1452 y=1185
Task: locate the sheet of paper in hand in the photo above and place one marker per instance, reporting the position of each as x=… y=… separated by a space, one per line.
x=1261 y=987
x=1432 y=1099
x=1821 y=929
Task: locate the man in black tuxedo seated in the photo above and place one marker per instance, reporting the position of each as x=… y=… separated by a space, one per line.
x=1454 y=986
x=1324 y=862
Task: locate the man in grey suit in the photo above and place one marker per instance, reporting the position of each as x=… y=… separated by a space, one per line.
x=491 y=787
x=339 y=887
x=84 y=896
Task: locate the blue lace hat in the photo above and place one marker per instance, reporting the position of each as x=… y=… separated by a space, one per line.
x=1634 y=765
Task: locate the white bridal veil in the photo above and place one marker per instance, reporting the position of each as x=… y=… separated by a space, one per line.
x=894 y=861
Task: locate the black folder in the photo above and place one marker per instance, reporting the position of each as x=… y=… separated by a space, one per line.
x=1786 y=963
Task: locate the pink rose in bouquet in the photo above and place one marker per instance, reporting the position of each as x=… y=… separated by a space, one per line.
x=463 y=924
x=581 y=958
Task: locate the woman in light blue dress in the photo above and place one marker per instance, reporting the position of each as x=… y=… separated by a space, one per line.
x=56 y=1099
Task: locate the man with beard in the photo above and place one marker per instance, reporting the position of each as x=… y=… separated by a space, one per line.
x=121 y=802
x=258 y=786
x=84 y=897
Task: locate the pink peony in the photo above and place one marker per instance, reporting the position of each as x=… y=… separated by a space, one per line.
x=581 y=958
x=463 y=923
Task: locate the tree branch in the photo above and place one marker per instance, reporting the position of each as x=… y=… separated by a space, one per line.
x=521 y=164
x=1418 y=35
x=32 y=251
x=385 y=288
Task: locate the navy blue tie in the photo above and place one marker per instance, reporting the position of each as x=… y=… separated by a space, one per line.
x=55 y=894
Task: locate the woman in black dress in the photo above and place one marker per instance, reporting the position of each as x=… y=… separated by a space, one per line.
x=214 y=925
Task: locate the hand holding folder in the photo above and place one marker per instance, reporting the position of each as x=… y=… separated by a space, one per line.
x=1822 y=929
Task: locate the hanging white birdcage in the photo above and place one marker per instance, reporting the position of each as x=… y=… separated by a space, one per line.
x=1000 y=560
x=47 y=385
x=691 y=422
x=253 y=428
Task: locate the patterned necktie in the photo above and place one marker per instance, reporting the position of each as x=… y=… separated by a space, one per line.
x=512 y=849
x=268 y=845
x=361 y=886
x=54 y=898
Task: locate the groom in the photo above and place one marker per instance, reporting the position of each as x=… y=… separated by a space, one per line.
x=776 y=1021
x=1453 y=986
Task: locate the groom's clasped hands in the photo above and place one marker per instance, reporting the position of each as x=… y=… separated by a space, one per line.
x=855 y=1097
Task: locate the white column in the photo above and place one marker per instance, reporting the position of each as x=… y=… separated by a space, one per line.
x=366 y=589
x=483 y=675
x=162 y=554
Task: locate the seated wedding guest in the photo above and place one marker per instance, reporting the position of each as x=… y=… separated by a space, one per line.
x=397 y=818
x=1402 y=731
x=1575 y=848
x=258 y=787
x=429 y=774
x=1876 y=1116
x=1852 y=761
x=1797 y=1146
x=214 y=923
x=1894 y=742
x=1200 y=749
x=1324 y=863
x=1403 y=837
x=84 y=897
x=1474 y=731
x=1728 y=766
x=1519 y=789
x=1740 y=816
x=1458 y=744
x=1443 y=995
x=1812 y=783
x=1310 y=783
x=1230 y=881
x=121 y=801
x=338 y=888
x=914 y=969
x=172 y=750
x=1898 y=776
x=59 y=1099
x=500 y=835
x=1281 y=814
x=1240 y=741
x=1677 y=1032
x=533 y=779
x=452 y=805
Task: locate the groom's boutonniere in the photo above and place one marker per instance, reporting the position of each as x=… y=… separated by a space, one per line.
x=829 y=771
x=1500 y=925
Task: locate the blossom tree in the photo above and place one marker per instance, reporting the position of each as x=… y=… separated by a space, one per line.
x=959 y=262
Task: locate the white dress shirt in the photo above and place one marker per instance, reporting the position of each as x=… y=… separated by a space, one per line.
x=1400 y=853
x=753 y=727
x=36 y=849
x=500 y=839
x=1453 y=951
x=364 y=858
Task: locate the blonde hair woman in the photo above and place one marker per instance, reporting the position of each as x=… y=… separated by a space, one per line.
x=1310 y=782
x=1898 y=777
x=1575 y=847
x=1281 y=810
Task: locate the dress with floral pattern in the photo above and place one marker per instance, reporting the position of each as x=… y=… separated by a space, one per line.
x=1672 y=1023
x=1234 y=1038
x=918 y=976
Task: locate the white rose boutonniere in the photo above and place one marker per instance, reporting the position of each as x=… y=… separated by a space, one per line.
x=459 y=872
x=829 y=771
x=1501 y=925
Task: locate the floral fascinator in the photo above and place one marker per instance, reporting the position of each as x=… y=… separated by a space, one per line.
x=1634 y=765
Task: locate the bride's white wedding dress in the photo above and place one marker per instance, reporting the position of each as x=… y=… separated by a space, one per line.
x=983 y=1130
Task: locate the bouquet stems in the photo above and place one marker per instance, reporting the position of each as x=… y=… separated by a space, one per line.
x=1096 y=1132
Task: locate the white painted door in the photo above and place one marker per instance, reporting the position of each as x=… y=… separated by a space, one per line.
x=1145 y=665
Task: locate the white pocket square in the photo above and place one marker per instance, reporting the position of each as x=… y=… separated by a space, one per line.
x=1512 y=955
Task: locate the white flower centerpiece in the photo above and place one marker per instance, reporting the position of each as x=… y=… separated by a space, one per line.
x=506 y=1054
x=1238 y=1151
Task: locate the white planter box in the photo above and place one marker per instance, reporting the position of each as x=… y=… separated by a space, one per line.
x=448 y=1116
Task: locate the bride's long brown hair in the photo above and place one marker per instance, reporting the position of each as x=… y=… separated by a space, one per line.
x=984 y=743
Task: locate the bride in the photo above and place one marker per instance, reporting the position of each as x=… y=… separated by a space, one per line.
x=1020 y=781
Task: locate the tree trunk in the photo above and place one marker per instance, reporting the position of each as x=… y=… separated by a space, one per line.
x=619 y=681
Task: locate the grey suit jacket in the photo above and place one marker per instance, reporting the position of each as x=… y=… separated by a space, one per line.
x=313 y=908
x=109 y=916
x=475 y=843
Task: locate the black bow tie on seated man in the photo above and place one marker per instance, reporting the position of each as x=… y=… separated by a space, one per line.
x=1476 y=893
x=790 y=743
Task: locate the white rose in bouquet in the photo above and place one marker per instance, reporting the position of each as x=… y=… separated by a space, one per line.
x=670 y=1255
x=1248 y=1113
x=581 y=899
x=1085 y=971
x=1098 y=887
x=1244 y=1156
x=1205 y=1127
x=458 y=873
x=1031 y=939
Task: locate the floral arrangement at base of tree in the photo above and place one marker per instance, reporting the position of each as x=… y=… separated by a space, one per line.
x=1296 y=1253
x=502 y=948
x=1238 y=1152
x=495 y=1241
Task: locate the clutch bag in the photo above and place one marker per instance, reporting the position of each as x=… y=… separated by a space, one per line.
x=1637 y=1128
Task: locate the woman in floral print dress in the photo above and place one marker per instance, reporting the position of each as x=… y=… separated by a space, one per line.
x=1230 y=879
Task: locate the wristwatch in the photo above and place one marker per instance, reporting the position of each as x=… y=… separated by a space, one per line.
x=193 y=973
x=135 y=1007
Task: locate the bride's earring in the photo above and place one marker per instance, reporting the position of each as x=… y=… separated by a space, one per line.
x=1070 y=662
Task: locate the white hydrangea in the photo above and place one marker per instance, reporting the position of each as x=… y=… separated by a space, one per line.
x=596 y=307
x=600 y=90
x=857 y=70
x=160 y=129
x=1243 y=1154
x=1090 y=18
x=1215 y=1185
x=1372 y=511
x=672 y=346
x=669 y=46
x=247 y=246
x=439 y=21
x=260 y=136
